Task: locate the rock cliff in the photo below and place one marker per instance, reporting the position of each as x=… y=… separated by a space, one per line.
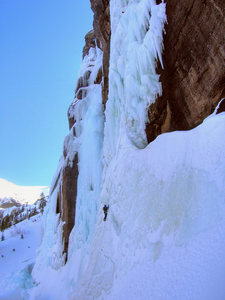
x=101 y=25
x=193 y=78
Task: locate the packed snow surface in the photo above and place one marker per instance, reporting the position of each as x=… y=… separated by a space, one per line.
x=17 y=258
x=164 y=236
x=21 y=194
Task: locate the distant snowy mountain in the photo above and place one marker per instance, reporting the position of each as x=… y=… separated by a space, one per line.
x=12 y=194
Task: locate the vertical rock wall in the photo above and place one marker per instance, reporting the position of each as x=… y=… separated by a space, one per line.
x=69 y=193
x=102 y=31
x=193 y=79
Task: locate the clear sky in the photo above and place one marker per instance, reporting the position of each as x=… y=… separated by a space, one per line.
x=41 y=45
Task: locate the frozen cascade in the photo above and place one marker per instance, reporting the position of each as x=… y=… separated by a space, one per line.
x=136 y=44
x=87 y=142
x=88 y=114
x=50 y=252
x=164 y=234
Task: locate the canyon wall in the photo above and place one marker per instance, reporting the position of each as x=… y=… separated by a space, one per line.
x=193 y=78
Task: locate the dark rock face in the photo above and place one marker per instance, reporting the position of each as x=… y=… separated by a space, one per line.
x=89 y=42
x=102 y=31
x=82 y=82
x=221 y=107
x=69 y=193
x=193 y=79
x=66 y=199
x=8 y=202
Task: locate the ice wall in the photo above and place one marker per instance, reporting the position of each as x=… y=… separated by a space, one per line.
x=166 y=200
x=85 y=138
x=88 y=114
x=163 y=238
x=164 y=235
x=136 y=44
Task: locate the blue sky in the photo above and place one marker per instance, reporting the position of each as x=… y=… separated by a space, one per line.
x=40 y=54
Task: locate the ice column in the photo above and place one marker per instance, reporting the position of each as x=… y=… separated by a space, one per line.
x=136 y=44
x=89 y=117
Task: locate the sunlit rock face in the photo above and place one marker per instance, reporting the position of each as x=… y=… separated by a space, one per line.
x=193 y=79
x=101 y=25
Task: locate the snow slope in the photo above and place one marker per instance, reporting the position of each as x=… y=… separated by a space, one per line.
x=21 y=194
x=164 y=237
x=165 y=234
x=16 y=266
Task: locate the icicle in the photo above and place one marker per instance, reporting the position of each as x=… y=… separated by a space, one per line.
x=136 y=44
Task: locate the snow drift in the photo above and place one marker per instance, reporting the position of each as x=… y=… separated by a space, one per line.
x=164 y=234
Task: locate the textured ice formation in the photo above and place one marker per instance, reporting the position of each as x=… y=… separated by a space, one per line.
x=164 y=234
x=136 y=44
x=87 y=142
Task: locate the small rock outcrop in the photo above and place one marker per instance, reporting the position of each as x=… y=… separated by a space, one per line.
x=221 y=106
x=69 y=193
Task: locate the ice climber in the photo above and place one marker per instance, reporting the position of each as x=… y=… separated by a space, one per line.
x=105 y=209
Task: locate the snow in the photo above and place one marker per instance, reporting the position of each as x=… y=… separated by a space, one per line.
x=191 y=272
x=164 y=236
x=50 y=252
x=21 y=194
x=8 y=211
x=16 y=266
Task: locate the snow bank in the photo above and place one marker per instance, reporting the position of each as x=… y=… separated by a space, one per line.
x=17 y=258
x=166 y=220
